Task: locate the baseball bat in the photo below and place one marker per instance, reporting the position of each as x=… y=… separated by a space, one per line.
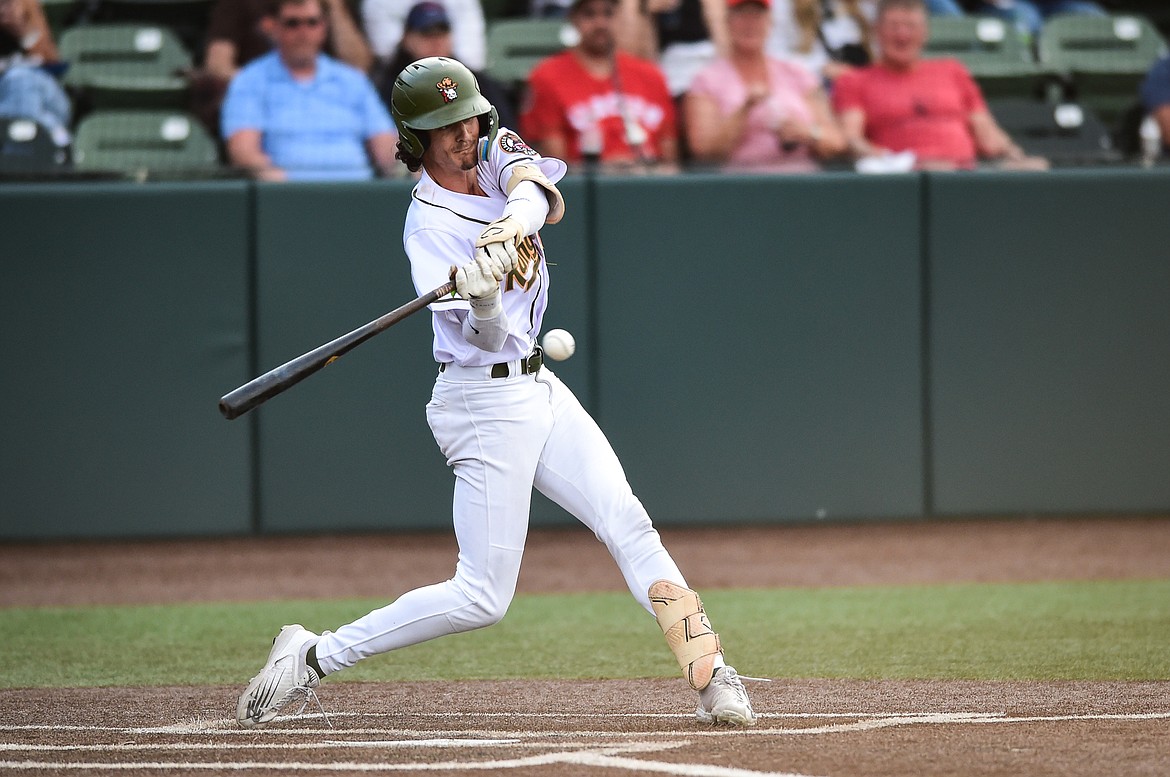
x=259 y=390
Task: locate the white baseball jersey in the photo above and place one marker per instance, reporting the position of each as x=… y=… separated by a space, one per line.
x=502 y=435
x=441 y=229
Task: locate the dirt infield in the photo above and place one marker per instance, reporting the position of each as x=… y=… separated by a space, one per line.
x=809 y=727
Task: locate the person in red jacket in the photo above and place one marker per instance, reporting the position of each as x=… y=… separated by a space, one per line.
x=930 y=107
x=595 y=102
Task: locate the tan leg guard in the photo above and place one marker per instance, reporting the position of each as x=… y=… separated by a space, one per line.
x=688 y=632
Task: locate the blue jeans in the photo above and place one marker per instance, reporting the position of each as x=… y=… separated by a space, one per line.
x=943 y=8
x=1029 y=15
x=31 y=93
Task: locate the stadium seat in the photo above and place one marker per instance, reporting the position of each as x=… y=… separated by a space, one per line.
x=188 y=19
x=1102 y=58
x=152 y=142
x=514 y=46
x=28 y=147
x=126 y=65
x=995 y=53
x=1067 y=134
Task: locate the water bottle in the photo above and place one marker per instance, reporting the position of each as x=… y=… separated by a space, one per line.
x=1151 y=137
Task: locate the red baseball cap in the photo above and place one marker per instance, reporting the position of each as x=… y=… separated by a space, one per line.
x=734 y=3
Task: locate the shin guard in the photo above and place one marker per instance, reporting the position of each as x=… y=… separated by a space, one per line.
x=688 y=632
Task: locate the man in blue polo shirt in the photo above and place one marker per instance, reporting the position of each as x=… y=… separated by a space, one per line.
x=297 y=114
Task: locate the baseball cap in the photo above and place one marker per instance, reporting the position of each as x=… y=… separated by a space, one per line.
x=427 y=15
x=734 y=3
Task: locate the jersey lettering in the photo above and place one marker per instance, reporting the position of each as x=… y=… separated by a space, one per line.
x=528 y=258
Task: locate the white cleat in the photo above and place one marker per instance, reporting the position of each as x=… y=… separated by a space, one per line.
x=724 y=700
x=284 y=677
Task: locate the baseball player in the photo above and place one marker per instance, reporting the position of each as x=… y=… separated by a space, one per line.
x=504 y=421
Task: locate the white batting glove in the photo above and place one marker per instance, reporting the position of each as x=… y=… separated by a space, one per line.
x=478 y=282
x=499 y=240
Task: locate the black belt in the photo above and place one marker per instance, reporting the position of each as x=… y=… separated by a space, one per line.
x=528 y=366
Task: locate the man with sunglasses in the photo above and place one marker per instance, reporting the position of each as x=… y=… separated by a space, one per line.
x=297 y=113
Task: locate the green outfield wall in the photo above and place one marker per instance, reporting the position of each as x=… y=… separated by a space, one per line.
x=757 y=349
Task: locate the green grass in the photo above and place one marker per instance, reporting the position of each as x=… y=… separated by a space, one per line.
x=1047 y=631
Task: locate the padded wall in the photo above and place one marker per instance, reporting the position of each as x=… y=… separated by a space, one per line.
x=123 y=319
x=760 y=344
x=1050 y=332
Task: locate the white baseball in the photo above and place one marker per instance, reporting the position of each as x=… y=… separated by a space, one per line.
x=558 y=344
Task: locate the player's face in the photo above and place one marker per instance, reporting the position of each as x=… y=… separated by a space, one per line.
x=594 y=20
x=901 y=34
x=453 y=147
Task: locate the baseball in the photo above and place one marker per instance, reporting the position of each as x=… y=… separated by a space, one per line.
x=558 y=344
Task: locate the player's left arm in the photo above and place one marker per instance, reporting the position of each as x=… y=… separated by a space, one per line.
x=528 y=181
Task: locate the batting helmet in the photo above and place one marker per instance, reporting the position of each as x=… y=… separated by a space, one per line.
x=433 y=93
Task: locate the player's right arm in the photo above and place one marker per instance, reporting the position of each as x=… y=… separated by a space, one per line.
x=437 y=256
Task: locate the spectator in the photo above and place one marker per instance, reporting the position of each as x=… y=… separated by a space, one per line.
x=385 y=22
x=931 y=107
x=427 y=33
x=237 y=35
x=298 y=113
x=1156 y=98
x=683 y=36
x=593 y=100
x=28 y=55
x=826 y=36
x=757 y=112
x=1029 y=15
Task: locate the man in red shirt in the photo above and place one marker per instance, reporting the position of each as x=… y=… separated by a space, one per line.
x=931 y=107
x=593 y=101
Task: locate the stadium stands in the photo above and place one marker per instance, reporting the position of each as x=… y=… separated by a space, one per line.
x=1101 y=60
x=514 y=46
x=137 y=55
x=126 y=65
x=27 y=147
x=141 y=142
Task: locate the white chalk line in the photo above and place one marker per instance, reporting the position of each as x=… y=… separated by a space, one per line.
x=607 y=757
x=614 y=756
x=873 y=721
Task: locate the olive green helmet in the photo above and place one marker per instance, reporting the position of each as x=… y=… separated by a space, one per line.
x=433 y=93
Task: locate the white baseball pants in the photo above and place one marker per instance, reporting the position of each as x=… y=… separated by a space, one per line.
x=502 y=436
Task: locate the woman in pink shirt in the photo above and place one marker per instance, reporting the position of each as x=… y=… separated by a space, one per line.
x=753 y=112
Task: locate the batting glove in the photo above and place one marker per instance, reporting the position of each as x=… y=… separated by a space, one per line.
x=499 y=240
x=478 y=282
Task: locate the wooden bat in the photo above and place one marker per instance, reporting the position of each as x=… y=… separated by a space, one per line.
x=287 y=375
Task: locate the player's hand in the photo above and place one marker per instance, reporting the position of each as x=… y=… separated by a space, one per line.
x=478 y=282
x=499 y=241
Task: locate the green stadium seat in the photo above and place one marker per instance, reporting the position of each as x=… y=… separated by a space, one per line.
x=28 y=147
x=994 y=51
x=188 y=19
x=1066 y=134
x=1102 y=58
x=150 y=142
x=126 y=65
x=514 y=46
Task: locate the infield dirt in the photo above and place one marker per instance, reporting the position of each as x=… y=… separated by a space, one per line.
x=830 y=728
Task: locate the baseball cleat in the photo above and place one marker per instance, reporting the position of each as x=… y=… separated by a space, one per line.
x=284 y=677
x=724 y=700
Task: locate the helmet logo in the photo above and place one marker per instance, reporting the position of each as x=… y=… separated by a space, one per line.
x=448 y=88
